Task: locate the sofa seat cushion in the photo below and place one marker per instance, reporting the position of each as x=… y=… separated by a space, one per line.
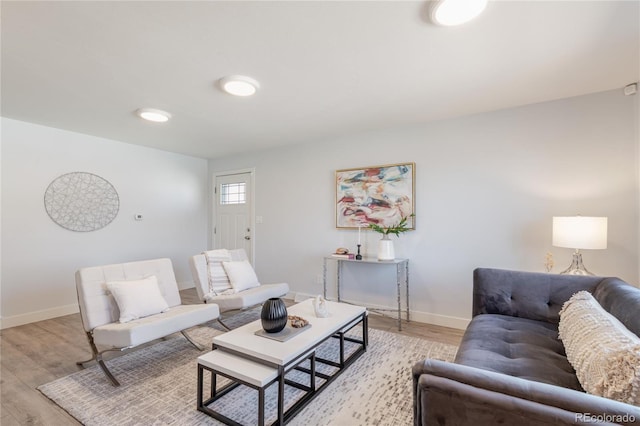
x=518 y=347
x=143 y=330
x=247 y=298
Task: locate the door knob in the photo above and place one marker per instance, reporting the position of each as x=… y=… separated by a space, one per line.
x=247 y=237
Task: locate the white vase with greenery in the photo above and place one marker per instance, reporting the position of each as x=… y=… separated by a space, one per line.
x=386 y=250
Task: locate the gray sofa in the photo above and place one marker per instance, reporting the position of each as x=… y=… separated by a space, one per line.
x=511 y=368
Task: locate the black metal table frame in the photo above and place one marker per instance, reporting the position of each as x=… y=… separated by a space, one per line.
x=311 y=391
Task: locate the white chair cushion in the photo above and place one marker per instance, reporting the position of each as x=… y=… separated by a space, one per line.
x=241 y=275
x=143 y=330
x=247 y=298
x=137 y=298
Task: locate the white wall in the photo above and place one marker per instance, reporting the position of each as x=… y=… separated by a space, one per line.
x=39 y=258
x=487 y=188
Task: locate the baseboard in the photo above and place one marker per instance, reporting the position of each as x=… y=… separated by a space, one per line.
x=16 y=320
x=300 y=297
x=292 y=296
x=441 y=320
x=45 y=314
x=418 y=316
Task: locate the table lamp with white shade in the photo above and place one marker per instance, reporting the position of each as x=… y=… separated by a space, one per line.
x=579 y=233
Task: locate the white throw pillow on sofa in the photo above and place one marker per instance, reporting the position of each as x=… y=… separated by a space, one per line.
x=241 y=275
x=138 y=298
x=604 y=353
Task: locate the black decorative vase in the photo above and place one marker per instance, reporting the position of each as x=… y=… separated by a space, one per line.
x=274 y=315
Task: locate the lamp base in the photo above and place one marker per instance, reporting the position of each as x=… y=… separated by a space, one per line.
x=576 y=267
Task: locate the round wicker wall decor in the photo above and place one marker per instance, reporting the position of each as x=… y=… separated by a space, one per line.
x=81 y=201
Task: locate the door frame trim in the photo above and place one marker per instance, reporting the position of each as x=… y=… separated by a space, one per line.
x=252 y=210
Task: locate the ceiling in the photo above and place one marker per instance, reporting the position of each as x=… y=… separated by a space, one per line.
x=326 y=68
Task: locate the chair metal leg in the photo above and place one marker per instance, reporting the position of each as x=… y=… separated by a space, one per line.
x=224 y=325
x=97 y=356
x=106 y=371
x=196 y=345
x=94 y=351
x=82 y=363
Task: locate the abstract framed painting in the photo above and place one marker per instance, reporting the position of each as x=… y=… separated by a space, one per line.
x=378 y=194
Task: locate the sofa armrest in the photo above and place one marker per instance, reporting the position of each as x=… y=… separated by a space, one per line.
x=532 y=295
x=463 y=395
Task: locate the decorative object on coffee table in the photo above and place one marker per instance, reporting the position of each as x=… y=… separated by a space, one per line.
x=320 y=307
x=298 y=322
x=274 y=315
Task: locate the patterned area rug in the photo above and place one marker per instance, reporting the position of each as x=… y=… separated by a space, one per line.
x=158 y=387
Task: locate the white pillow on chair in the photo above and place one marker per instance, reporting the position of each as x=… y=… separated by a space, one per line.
x=241 y=275
x=218 y=278
x=138 y=298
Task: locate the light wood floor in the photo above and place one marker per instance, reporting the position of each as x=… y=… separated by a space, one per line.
x=37 y=353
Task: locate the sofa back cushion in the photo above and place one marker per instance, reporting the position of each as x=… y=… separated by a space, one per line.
x=621 y=300
x=97 y=305
x=532 y=295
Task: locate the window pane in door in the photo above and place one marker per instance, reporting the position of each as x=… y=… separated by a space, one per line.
x=232 y=193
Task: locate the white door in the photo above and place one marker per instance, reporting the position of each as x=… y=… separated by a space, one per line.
x=232 y=228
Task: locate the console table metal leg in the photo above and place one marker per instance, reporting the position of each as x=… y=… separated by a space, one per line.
x=406 y=280
x=399 y=297
x=338 y=278
x=324 y=278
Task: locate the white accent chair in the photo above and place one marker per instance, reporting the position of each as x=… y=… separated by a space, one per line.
x=100 y=314
x=235 y=301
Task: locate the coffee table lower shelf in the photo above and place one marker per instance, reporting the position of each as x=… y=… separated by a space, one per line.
x=258 y=375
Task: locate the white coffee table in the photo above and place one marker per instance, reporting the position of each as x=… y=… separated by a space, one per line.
x=258 y=362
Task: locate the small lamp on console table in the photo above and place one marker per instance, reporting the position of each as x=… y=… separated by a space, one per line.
x=579 y=232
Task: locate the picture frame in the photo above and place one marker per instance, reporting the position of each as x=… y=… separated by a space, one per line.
x=376 y=194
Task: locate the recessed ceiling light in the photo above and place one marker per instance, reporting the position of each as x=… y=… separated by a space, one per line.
x=239 y=85
x=155 y=115
x=455 y=12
